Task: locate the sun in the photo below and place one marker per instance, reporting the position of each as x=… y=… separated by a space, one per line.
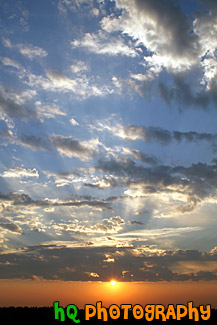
x=113 y=282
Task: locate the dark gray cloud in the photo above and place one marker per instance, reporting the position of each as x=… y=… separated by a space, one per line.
x=181 y=92
x=66 y=174
x=202 y=178
x=197 y=181
x=87 y=150
x=11 y=227
x=65 y=145
x=142 y=156
x=162 y=136
x=147 y=133
x=70 y=147
x=17 y=199
x=35 y=142
x=179 y=42
x=145 y=263
x=127 y=168
x=14 y=110
x=169 y=17
x=134 y=222
x=192 y=136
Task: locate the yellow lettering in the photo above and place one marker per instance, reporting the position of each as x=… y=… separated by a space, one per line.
x=149 y=309
x=160 y=311
x=193 y=312
x=206 y=312
x=171 y=312
x=114 y=312
x=101 y=311
x=90 y=311
x=138 y=312
x=181 y=311
x=126 y=309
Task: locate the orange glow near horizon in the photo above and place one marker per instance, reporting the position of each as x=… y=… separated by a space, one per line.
x=44 y=293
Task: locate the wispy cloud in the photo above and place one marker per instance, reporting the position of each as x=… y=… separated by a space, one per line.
x=102 y=44
x=31 y=52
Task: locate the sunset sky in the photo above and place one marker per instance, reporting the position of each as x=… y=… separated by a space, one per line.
x=108 y=148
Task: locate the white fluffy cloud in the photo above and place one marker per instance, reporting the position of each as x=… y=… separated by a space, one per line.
x=161 y=27
x=205 y=26
x=174 y=41
x=20 y=172
x=73 y=122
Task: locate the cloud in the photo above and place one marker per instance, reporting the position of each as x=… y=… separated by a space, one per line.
x=182 y=93
x=6 y=42
x=14 y=104
x=145 y=263
x=205 y=29
x=134 y=132
x=183 y=187
x=64 y=178
x=92 y=274
x=146 y=133
x=134 y=222
x=74 y=122
x=88 y=229
x=115 y=220
x=81 y=86
x=9 y=62
x=16 y=199
x=59 y=80
x=189 y=267
x=31 y=52
x=48 y=111
x=128 y=173
x=6 y=128
x=102 y=183
x=153 y=234
x=98 y=228
x=160 y=26
x=79 y=67
x=80 y=6
x=11 y=227
x=70 y=147
x=177 y=43
x=35 y=142
x=152 y=134
x=144 y=157
x=104 y=44
x=28 y=50
x=19 y=172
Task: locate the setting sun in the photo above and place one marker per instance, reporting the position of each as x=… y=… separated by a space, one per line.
x=113 y=282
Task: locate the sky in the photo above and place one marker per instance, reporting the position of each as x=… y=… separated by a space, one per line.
x=108 y=141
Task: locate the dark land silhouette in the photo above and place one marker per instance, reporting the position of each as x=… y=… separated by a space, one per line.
x=45 y=315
